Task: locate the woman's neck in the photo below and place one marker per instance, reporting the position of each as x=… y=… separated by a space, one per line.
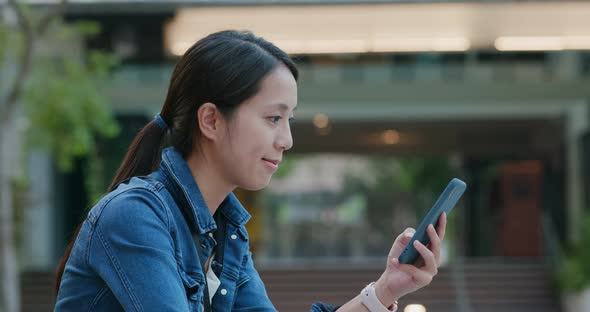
x=213 y=187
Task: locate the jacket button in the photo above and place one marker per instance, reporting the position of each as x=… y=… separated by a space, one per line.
x=234 y=236
x=224 y=291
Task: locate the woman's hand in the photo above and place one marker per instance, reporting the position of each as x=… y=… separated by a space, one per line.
x=401 y=279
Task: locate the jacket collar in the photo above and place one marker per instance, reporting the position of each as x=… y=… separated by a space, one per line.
x=175 y=169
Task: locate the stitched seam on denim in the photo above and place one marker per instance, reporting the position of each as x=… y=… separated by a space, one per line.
x=93 y=222
x=233 y=302
x=149 y=188
x=173 y=176
x=97 y=298
x=94 y=219
x=155 y=191
x=247 y=279
x=152 y=190
x=110 y=196
x=119 y=271
x=243 y=281
x=139 y=187
x=171 y=229
x=89 y=243
x=231 y=274
x=168 y=212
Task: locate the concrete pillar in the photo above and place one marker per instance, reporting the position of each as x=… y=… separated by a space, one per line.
x=576 y=126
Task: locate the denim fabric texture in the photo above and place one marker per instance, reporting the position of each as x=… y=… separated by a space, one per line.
x=135 y=250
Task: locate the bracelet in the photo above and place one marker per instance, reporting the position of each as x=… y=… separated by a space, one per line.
x=372 y=303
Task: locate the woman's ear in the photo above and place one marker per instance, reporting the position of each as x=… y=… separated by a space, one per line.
x=210 y=121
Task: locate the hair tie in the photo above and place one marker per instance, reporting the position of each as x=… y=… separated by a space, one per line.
x=161 y=122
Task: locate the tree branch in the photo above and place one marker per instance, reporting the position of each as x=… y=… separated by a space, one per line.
x=26 y=59
x=57 y=11
x=23 y=67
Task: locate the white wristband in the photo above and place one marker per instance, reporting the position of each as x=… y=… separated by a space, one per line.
x=371 y=302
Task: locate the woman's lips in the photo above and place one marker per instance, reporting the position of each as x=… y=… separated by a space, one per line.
x=272 y=164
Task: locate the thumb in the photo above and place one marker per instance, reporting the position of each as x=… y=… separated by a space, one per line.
x=401 y=242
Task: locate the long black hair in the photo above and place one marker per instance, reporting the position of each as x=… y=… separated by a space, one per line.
x=224 y=68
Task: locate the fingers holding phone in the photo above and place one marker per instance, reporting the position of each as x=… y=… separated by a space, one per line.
x=444 y=204
x=415 y=256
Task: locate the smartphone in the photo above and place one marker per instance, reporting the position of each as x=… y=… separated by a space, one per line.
x=445 y=202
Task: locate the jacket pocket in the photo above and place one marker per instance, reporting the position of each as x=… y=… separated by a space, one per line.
x=243 y=233
x=243 y=280
x=193 y=285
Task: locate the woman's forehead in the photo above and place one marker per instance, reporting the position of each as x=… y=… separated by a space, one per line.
x=278 y=90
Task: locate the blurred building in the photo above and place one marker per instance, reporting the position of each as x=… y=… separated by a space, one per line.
x=499 y=89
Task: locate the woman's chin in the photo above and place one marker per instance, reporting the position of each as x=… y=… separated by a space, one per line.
x=256 y=185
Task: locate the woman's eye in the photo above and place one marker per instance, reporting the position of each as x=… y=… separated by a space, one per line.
x=291 y=119
x=274 y=119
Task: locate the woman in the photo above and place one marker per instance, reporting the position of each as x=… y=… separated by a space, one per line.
x=170 y=235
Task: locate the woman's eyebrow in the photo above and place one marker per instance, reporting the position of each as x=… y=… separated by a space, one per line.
x=284 y=107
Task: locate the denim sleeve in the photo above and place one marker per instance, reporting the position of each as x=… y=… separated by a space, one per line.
x=133 y=252
x=251 y=293
x=322 y=307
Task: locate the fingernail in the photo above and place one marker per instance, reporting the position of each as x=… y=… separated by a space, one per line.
x=416 y=243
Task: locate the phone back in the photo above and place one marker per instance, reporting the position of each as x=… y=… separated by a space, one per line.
x=445 y=202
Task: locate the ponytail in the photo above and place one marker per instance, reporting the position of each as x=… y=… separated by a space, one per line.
x=143 y=154
x=142 y=158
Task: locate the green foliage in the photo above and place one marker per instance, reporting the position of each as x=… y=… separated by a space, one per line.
x=574 y=275
x=430 y=174
x=3 y=40
x=63 y=102
x=421 y=177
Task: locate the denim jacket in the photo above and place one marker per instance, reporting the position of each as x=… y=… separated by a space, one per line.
x=135 y=250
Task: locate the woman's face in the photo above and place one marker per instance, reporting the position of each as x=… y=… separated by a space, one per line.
x=259 y=132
